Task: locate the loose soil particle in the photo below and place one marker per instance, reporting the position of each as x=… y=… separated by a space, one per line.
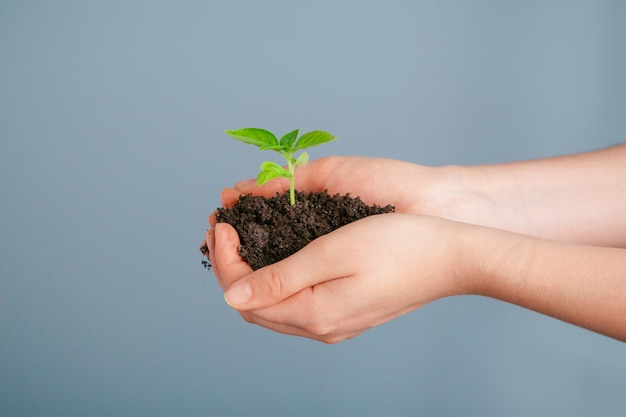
x=270 y=229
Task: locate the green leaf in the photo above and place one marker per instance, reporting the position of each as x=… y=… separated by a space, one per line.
x=277 y=148
x=254 y=136
x=289 y=139
x=273 y=166
x=314 y=138
x=302 y=159
x=269 y=171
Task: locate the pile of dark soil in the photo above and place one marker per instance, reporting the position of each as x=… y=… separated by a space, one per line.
x=270 y=229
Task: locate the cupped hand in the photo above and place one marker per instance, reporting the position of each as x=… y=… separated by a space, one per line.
x=345 y=282
x=359 y=275
x=379 y=181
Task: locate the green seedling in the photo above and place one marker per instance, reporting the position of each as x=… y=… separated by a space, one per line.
x=287 y=146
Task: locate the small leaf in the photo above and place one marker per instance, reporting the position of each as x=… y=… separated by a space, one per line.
x=302 y=159
x=269 y=171
x=289 y=139
x=265 y=176
x=274 y=167
x=314 y=138
x=254 y=136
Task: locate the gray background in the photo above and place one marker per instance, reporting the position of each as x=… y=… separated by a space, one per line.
x=113 y=154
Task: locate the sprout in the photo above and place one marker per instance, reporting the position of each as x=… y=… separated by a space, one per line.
x=287 y=146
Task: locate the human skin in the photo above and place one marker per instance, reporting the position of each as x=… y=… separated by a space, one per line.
x=548 y=235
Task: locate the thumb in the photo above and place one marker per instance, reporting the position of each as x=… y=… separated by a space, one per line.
x=274 y=283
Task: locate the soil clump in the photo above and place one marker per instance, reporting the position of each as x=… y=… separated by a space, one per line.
x=270 y=229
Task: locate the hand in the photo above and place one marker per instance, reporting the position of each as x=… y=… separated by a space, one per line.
x=398 y=262
x=339 y=286
x=375 y=180
x=450 y=192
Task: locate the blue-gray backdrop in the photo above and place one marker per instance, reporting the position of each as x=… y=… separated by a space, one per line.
x=113 y=154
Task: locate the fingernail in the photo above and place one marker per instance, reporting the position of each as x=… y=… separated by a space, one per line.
x=238 y=295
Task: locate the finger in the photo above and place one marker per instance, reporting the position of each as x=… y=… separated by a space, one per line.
x=229 y=197
x=210 y=241
x=268 y=319
x=274 y=326
x=290 y=316
x=311 y=177
x=332 y=311
x=230 y=267
x=274 y=283
x=269 y=189
x=301 y=332
x=320 y=310
x=296 y=331
x=307 y=324
x=213 y=219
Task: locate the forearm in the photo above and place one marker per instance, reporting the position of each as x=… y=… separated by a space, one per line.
x=582 y=285
x=579 y=198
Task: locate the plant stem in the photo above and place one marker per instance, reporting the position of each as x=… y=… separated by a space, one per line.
x=292 y=181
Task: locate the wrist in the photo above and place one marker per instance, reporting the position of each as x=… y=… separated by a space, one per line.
x=452 y=192
x=486 y=195
x=494 y=262
x=469 y=257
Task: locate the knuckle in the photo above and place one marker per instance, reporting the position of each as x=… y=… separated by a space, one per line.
x=322 y=325
x=326 y=333
x=319 y=330
x=275 y=284
x=322 y=329
x=331 y=340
